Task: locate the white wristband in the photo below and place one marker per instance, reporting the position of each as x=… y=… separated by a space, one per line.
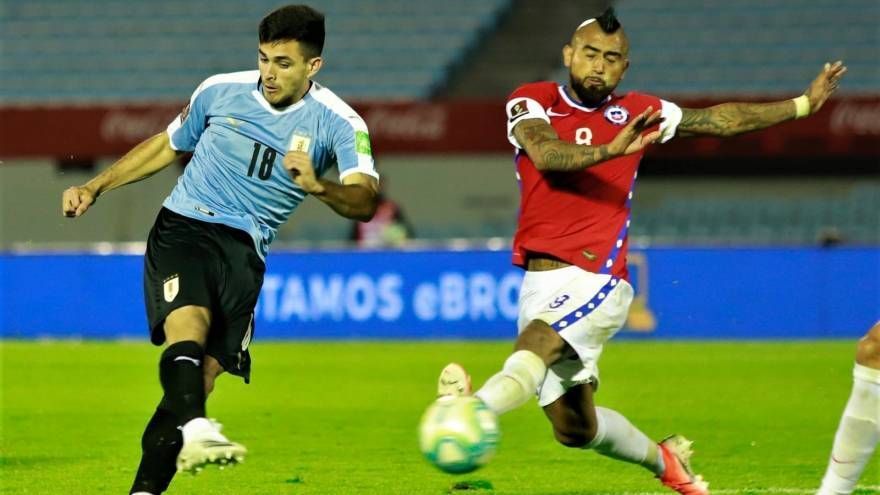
x=801 y=106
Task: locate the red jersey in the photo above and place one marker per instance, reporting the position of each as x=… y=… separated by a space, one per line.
x=582 y=217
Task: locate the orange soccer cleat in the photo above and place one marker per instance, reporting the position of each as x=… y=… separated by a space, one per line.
x=676 y=451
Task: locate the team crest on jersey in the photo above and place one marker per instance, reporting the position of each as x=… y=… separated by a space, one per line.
x=171 y=287
x=300 y=142
x=518 y=109
x=617 y=115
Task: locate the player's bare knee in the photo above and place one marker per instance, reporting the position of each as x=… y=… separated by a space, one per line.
x=188 y=323
x=571 y=428
x=868 y=349
x=540 y=338
x=576 y=437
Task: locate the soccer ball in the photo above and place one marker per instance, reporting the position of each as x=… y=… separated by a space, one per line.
x=458 y=434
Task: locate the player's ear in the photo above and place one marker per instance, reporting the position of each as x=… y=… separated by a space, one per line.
x=567 y=52
x=314 y=65
x=625 y=67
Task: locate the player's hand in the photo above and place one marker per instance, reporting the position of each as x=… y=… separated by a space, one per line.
x=631 y=139
x=76 y=200
x=299 y=164
x=824 y=85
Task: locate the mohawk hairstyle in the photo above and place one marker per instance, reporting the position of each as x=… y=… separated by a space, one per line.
x=608 y=21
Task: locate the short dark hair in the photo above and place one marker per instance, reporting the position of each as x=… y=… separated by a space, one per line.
x=295 y=22
x=608 y=21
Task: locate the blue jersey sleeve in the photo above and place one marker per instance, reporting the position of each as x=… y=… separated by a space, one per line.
x=351 y=145
x=185 y=130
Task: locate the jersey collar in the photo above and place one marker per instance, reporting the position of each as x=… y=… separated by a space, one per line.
x=580 y=106
x=258 y=95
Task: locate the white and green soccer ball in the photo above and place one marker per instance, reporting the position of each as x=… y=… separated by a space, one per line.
x=458 y=434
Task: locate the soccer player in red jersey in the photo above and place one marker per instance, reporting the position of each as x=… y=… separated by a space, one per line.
x=578 y=150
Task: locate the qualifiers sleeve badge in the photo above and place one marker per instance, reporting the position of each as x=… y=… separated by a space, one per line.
x=518 y=109
x=362 y=143
x=617 y=115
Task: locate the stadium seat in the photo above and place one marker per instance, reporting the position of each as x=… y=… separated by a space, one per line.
x=114 y=50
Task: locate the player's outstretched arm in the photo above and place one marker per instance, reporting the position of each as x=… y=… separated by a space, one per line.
x=549 y=153
x=142 y=161
x=730 y=119
x=356 y=198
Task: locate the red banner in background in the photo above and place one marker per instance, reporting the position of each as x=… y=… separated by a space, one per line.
x=845 y=127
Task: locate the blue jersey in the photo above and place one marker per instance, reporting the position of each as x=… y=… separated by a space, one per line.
x=236 y=176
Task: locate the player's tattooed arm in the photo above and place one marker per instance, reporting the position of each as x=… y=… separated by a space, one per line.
x=730 y=119
x=549 y=153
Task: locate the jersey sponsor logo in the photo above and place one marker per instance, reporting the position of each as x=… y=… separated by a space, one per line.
x=362 y=143
x=300 y=143
x=617 y=115
x=171 y=287
x=551 y=113
x=518 y=110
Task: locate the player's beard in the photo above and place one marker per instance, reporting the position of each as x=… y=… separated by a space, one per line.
x=589 y=95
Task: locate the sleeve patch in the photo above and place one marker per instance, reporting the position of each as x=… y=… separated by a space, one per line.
x=362 y=143
x=518 y=109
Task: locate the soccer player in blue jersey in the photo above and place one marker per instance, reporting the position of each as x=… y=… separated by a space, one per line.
x=261 y=140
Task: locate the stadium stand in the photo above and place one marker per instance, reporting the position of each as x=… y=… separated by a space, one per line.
x=112 y=50
x=852 y=218
x=694 y=47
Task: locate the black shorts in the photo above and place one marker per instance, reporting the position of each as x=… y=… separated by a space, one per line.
x=190 y=262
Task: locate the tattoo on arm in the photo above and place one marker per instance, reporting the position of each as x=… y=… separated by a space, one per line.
x=730 y=119
x=549 y=153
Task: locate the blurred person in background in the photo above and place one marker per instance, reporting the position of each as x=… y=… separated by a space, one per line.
x=260 y=140
x=389 y=227
x=859 y=430
x=578 y=149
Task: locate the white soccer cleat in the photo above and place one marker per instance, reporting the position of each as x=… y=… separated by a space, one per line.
x=203 y=444
x=453 y=381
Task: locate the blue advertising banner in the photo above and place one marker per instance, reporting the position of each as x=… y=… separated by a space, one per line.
x=691 y=293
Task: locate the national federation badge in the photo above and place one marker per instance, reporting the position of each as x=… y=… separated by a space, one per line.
x=617 y=115
x=300 y=143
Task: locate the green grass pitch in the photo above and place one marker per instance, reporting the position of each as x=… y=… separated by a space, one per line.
x=340 y=418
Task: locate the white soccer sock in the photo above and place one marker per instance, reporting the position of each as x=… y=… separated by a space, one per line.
x=515 y=384
x=857 y=435
x=617 y=438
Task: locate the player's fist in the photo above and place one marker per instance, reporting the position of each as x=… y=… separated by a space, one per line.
x=76 y=200
x=824 y=85
x=299 y=164
x=631 y=139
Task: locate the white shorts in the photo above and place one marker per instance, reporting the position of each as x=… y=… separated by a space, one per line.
x=586 y=309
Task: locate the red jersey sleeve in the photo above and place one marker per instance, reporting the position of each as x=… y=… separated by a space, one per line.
x=670 y=112
x=529 y=101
